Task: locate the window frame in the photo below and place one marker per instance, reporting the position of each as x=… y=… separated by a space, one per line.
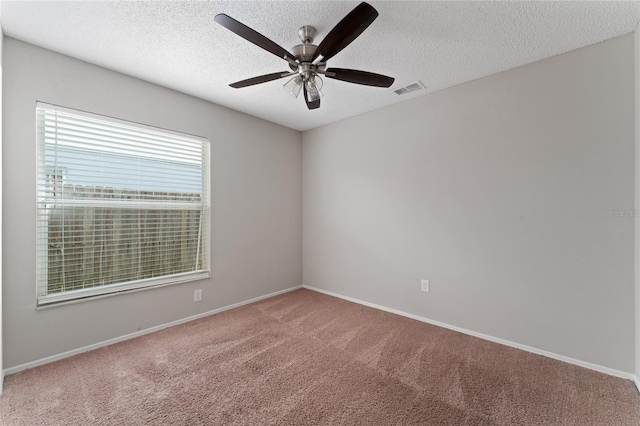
x=44 y=206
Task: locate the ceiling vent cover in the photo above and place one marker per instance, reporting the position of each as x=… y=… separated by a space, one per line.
x=410 y=88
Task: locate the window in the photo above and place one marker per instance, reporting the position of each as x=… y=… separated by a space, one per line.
x=121 y=206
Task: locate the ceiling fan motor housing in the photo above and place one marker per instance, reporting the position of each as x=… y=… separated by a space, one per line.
x=304 y=52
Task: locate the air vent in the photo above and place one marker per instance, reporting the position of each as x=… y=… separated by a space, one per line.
x=410 y=88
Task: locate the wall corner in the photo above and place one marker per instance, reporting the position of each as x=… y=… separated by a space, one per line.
x=1 y=43
x=637 y=202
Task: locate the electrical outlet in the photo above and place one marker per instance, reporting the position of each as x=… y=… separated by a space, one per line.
x=424 y=286
x=197 y=295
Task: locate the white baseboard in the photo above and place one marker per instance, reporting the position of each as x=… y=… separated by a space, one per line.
x=596 y=367
x=52 y=358
x=591 y=366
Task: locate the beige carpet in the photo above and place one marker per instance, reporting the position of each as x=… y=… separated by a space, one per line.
x=304 y=358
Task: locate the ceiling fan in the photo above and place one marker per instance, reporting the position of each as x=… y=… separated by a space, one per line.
x=308 y=61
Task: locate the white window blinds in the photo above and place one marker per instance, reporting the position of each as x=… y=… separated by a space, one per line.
x=121 y=206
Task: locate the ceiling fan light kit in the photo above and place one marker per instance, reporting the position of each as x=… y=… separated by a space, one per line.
x=308 y=61
x=294 y=85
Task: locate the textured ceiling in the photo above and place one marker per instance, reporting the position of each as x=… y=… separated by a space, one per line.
x=178 y=45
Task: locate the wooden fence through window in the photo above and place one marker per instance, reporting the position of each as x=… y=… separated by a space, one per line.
x=95 y=246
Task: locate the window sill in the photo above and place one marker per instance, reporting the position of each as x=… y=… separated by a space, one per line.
x=81 y=296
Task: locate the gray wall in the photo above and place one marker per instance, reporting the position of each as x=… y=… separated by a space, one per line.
x=256 y=203
x=497 y=191
x=637 y=182
x=1 y=361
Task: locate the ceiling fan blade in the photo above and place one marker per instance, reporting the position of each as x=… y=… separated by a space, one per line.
x=259 y=79
x=311 y=105
x=359 y=77
x=346 y=31
x=253 y=36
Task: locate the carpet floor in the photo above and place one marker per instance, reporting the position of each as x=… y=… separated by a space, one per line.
x=304 y=358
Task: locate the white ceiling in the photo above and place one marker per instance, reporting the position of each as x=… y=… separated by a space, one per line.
x=177 y=44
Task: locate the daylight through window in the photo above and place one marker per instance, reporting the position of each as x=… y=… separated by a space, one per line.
x=121 y=206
